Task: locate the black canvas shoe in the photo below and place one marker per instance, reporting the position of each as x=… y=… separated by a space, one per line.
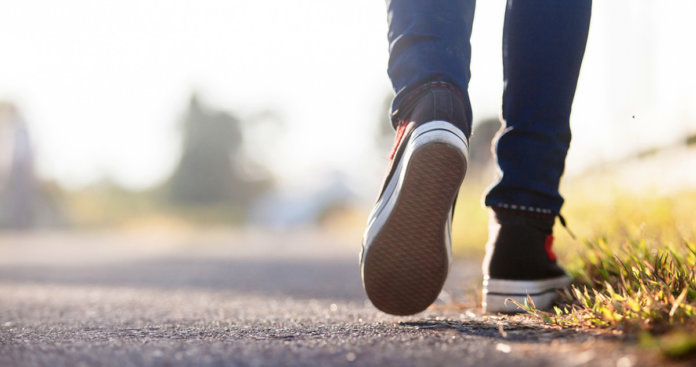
x=406 y=251
x=519 y=261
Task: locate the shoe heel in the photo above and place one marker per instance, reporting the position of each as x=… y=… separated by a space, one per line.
x=406 y=265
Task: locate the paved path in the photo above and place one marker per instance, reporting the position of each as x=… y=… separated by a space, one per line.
x=249 y=299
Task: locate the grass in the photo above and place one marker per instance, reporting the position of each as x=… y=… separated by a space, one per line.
x=634 y=262
x=633 y=288
x=634 y=271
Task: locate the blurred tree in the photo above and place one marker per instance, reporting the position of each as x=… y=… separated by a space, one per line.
x=210 y=169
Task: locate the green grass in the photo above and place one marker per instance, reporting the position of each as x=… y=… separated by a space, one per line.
x=632 y=288
x=634 y=269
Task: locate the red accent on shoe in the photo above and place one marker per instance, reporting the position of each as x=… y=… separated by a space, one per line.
x=548 y=244
x=397 y=140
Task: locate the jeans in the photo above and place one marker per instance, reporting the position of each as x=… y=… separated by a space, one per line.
x=543 y=46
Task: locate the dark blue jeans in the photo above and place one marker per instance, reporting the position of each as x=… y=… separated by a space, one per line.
x=543 y=46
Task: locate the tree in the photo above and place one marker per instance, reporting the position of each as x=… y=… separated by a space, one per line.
x=208 y=172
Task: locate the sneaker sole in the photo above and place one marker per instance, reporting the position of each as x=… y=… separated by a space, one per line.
x=406 y=264
x=498 y=292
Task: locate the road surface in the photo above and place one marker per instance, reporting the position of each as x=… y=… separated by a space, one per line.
x=249 y=299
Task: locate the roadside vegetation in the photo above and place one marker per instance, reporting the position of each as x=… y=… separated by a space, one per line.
x=634 y=268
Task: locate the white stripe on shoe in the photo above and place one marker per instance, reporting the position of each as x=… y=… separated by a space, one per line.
x=497 y=292
x=407 y=247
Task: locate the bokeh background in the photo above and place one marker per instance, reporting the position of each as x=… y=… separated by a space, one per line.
x=271 y=116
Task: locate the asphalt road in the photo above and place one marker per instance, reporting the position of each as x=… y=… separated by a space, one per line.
x=249 y=299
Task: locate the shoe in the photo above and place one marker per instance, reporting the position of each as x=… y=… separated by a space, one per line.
x=520 y=262
x=406 y=252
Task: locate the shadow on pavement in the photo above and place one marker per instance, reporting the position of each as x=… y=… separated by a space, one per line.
x=509 y=331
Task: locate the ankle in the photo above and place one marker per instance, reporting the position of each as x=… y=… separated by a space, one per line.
x=435 y=101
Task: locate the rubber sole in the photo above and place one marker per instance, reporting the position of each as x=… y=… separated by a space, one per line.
x=407 y=262
x=497 y=293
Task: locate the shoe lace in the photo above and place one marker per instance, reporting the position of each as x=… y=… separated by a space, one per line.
x=565 y=225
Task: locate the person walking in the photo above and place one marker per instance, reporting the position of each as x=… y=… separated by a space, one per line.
x=406 y=252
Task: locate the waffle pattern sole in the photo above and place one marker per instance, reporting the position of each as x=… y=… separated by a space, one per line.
x=407 y=264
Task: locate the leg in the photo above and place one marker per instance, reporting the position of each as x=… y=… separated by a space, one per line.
x=407 y=247
x=429 y=42
x=543 y=45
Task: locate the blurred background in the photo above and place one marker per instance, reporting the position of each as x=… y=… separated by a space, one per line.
x=181 y=116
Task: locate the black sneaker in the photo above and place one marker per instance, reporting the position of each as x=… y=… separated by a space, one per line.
x=519 y=260
x=406 y=251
